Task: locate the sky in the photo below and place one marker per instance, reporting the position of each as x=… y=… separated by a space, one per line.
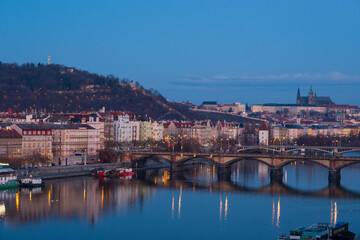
x=254 y=51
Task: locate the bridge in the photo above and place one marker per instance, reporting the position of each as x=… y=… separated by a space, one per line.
x=333 y=150
x=223 y=161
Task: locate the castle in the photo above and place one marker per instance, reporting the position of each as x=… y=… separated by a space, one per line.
x=312 y=99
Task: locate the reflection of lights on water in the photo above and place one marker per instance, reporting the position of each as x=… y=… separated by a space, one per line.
x=17 y=200
x=172 y=207
x=278 y=214
x=276 y=209
x=220 y=214
x=84 y=194
x=331 y=212
x=285 y=177
x=166 y=177
x=179 y=209
x=334 y=212
x=49 y=197
x=226 y=207
x=102 y=197
x=2 y=209
x=273 y=213
x=214 y=171
x=30 y=196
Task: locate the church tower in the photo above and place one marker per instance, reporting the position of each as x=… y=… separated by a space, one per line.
x=311 y=100
x=298 y=101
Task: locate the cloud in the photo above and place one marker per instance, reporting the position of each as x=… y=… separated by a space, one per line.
x=284 y=78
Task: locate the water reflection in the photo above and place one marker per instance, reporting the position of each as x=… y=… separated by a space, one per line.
x=334 y=212
x=89 y=199
x=305 y=176
x=81 y=197
x=249 y=174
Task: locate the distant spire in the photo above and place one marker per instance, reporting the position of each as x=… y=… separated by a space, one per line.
x=49 y=60
x=298 y=97
x=311 y=91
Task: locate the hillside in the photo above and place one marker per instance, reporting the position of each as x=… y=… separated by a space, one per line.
x=58 y=88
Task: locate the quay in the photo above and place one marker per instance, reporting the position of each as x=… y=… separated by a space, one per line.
x=66 y=171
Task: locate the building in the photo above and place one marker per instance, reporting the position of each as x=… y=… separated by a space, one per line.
x=135 y=130
x=157 y=131
x=287 y=108
x=209 y=105
x=96 y=135
x=263 y=135
x=72 y=144
x=10 y=143
x=36 y=139
x=232 y=108
x=123 y=129
x=146 y=131
x=312 y=99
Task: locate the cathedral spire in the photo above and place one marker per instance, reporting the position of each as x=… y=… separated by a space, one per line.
x=311 y=91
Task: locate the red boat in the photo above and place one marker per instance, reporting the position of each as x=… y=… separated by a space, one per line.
x=124 y=172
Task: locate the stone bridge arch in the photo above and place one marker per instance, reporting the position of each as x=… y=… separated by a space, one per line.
x=349 y=151
x=323 y=163
x=201 y=158
x=272 y=149
x=229 y=163
x=343 y=164
x=324 y=150
x=139 y=158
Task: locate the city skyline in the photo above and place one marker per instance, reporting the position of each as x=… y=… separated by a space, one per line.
x=253 y=52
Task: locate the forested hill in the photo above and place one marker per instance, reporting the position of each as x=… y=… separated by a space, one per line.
x=65 y=89
x=58 y=88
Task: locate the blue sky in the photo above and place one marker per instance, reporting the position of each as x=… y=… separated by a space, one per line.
x=249 y=51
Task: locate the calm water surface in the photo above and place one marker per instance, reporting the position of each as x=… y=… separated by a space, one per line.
x=193 y=204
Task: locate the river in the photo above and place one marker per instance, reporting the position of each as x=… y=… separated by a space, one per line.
x=191 y=204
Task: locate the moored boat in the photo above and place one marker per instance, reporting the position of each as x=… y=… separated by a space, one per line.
x=125 y=172
x=321 y=231
x=31 y=182
x=118 y=172
x=7 y=177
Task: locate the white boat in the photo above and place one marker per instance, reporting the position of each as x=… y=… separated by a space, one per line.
x=31 y=182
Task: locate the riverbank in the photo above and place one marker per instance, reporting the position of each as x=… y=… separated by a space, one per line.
x=54 y=172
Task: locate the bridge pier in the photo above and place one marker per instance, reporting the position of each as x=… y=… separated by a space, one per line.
x=224 y=173
x=276 y=175
x=334 y=175
x=174 y=167
x=225 y=177
x=126 y=157
x=222 y=169
x=276 y=172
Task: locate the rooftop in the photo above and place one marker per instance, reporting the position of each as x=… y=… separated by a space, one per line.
x=5 y=133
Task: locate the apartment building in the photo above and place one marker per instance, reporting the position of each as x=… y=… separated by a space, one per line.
x=36 y=138
x=10 y=143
